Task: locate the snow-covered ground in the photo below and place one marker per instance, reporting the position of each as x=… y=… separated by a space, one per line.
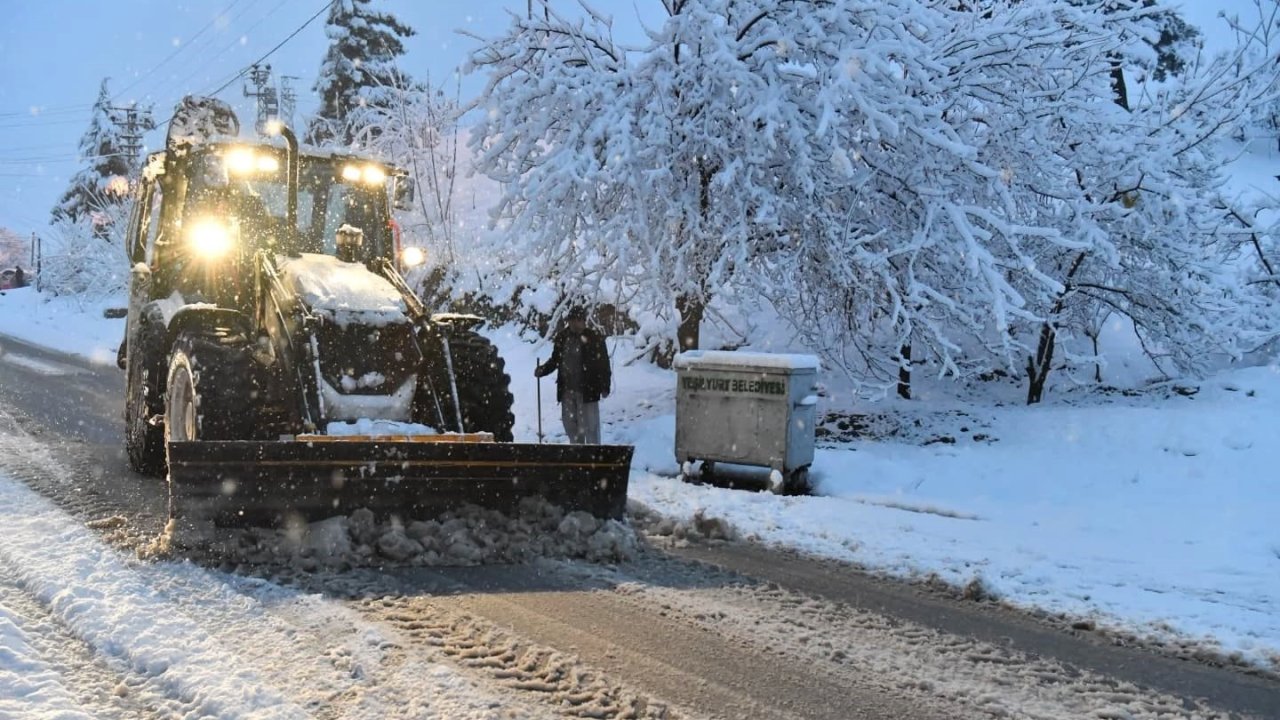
x=66 y=324
x=1152 y=512
x=1149 y=512
x=174 y=640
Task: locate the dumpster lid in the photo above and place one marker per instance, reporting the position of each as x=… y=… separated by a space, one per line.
x=736 y=360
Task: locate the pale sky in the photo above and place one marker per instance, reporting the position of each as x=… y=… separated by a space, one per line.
x=54 y=54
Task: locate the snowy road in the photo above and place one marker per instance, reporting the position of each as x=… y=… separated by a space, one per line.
x=699 y=631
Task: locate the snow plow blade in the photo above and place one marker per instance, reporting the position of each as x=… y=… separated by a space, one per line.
x=263 y=484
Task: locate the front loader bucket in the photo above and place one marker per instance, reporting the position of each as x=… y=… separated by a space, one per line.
x=240 y=484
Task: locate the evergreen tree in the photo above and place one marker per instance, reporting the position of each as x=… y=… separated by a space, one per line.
x=1178 y=41
x=104 y=179
x=358 y=71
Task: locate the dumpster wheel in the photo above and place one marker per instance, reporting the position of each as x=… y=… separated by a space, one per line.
x=798 y=482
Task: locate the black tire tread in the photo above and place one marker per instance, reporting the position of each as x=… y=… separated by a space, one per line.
x=223 y=374
x=484 y=387
x=144 y=392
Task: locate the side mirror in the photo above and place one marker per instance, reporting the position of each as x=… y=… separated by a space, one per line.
x=403 y=193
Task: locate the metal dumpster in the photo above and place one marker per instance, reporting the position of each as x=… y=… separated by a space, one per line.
x=747 y=409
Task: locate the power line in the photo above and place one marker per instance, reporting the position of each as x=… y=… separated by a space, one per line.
x=42 y=124
x=178 y=50
x=209 y=61
x=33 y=148
x=41 y=112
x=60 y=159
x=279 y=45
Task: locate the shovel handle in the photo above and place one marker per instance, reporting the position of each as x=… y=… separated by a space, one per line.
x=539 y=404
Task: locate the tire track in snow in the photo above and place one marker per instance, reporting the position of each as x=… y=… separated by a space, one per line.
x=898 y=657
x=98 y=597
x=335 y=662
x=551 y=629
x=317 y=655
x=58 y=674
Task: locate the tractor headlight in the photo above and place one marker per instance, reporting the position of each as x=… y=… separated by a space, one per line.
x=242 y=161
x=412 y=257
x=369 y=174
x=211 y=238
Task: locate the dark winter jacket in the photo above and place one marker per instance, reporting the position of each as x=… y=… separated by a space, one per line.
x=597 y=377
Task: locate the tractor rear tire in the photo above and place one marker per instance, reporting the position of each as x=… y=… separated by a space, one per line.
x=484 y=387
x=143 y=438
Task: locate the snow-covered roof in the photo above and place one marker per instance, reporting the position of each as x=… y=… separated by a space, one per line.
x=745 y=360
x=342 y=291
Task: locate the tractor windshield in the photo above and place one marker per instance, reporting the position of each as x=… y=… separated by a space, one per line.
x=331 y=193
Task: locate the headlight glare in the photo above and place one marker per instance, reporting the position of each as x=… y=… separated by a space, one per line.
x=211 y=238
x=412 y=256
x=240 y=161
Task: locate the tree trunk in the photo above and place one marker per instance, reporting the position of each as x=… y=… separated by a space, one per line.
x=1038 y=366
x=1118 y=86
x=691 y=310
x=1097 y=365
x=904 y=372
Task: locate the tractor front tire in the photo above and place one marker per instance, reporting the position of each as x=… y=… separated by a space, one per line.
x=208 y=394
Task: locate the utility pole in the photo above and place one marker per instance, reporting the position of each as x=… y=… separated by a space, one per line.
x=264 y=94
x=36 y=258
x=134 y=121
x=288 y=98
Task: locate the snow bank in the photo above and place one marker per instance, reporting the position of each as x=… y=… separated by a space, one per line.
x=344 y=292
x=66 y=324
x=1152 y=514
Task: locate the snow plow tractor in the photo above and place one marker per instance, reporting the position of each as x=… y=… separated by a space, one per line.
x=272 y=341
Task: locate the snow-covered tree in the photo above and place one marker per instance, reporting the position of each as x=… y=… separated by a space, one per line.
x=1177 y=44
x=104 y=181
x=359 y=69
x=1000 y=184
x=657 y=173
x=419 y=129
x=966 y=185
x=83 y=258
x=13 y=249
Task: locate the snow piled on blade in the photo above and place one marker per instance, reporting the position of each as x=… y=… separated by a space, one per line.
x=375 y=427
x=104 y=601
x=344 y=292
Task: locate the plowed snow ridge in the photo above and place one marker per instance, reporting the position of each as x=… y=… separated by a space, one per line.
x=90 y=589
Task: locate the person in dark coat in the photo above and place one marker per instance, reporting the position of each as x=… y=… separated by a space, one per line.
x=583 y=378
x=19 y=277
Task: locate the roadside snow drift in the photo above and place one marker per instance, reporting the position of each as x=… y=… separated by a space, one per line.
x=1155 y=514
